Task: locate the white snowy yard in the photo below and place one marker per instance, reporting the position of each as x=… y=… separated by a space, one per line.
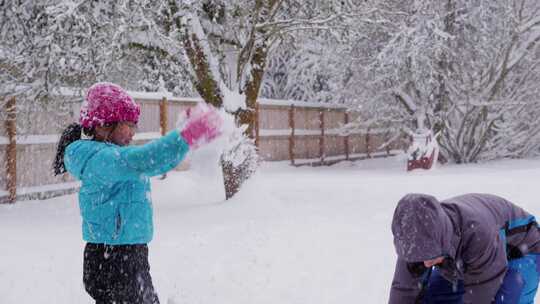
x=293 y=235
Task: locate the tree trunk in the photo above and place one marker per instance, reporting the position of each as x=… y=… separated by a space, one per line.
x=208 y=88
x=442 y=98
x=235 y=176
x=256 y=53
x=205 y=84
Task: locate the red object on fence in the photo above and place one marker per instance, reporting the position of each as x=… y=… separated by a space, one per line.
x=421 y=163
x=423 y=152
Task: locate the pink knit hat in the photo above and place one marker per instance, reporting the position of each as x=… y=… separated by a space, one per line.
x=108 y=103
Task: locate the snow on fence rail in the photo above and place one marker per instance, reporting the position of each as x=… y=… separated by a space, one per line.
x=299 y=132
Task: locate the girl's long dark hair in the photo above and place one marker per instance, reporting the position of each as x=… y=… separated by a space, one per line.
x=69 y=135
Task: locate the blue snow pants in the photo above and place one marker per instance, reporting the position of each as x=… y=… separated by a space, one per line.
x=519 y=285
x=521 y=281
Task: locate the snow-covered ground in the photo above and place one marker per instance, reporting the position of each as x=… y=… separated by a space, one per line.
x=293 y=235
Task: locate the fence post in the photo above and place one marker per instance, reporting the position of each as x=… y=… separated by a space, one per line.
x=388 y=146
x=257 y=125
x=291 y=137
x=368 y=144
x=321 y=139
x=163 y=121
x=163 y=116
x=346 y=137
x=11 y=150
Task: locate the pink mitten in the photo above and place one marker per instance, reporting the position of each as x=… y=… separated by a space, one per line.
x=202 y=126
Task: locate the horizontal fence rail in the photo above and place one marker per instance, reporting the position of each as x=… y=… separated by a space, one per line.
x=298 y=132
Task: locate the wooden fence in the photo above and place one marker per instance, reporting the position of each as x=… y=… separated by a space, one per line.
x=298 y=132
x=309 y=134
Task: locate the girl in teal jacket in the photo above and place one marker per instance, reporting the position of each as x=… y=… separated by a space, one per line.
x=114 y=199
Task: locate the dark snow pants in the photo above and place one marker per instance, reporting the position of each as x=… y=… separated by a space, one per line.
x=519 y=285
x=441 y=291
x=118 y=274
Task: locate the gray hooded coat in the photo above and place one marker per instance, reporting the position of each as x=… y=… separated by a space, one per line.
x=477 y=233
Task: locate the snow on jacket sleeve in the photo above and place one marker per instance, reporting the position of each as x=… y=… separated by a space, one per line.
x=154 y=158
x=405 y=287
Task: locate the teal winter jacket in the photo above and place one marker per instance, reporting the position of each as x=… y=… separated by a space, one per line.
x=114 y=198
